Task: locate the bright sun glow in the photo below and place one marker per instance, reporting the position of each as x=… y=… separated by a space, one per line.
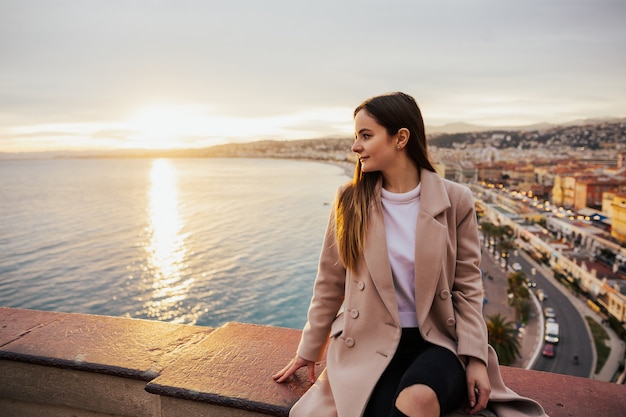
x=165 y=127
x=181 y=126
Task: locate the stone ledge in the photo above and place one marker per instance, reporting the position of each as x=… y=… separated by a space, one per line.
x=28 y=389
x=138 y=349
x=233 y=368
x=228 y=368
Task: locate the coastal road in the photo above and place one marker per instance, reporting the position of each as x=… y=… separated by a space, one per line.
x=574 y=336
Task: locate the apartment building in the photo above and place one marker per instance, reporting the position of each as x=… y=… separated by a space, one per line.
x=588 y=190
x=618 y=220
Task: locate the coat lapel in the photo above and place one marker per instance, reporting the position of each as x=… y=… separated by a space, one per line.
x=430 y=246
x=377 y=259
x=431 y=235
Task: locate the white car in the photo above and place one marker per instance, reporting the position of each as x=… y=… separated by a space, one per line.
x=548 y=312
x=516 y=267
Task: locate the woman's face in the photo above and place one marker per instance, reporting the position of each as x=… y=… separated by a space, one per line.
x=376 y=149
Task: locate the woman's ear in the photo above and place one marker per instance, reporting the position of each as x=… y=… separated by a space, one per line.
x=402 y=137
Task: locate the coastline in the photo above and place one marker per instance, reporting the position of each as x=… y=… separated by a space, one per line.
x=348 y=167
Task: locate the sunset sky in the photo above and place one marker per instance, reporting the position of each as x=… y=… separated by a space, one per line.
x=110 y=74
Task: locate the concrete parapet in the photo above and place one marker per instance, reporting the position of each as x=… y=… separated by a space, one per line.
x=58 y=364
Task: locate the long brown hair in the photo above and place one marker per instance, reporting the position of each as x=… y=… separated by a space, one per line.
x=393 y=111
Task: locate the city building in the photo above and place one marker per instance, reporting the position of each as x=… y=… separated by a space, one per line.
x=588 y=191
x=618 y=219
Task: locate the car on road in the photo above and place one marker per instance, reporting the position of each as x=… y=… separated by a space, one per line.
x=548 y=350
x=541 y=295
x=516 y=267
x=549 y=313
x=552 y=332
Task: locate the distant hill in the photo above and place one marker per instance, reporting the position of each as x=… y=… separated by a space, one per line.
x=595 y=121
x=582 y=134
x=601 y=131
x=470 y=128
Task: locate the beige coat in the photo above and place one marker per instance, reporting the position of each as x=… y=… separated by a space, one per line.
x=363 y=337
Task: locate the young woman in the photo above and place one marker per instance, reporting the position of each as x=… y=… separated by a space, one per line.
x=397 y=302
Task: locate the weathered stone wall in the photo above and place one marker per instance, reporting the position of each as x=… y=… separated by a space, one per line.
x=61 y=365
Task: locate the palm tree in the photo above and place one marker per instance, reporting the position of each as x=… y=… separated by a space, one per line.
x=505 y=246
x=504 y=231
x=504 y=241
x=489 y=231
x=519 y=296
x=503 y=338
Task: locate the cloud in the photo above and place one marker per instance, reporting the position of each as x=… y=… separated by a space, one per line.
x=75 y=62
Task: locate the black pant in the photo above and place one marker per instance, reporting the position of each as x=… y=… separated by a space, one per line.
x=418 y=362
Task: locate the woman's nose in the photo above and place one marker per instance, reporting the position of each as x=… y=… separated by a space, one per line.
x=356 y=146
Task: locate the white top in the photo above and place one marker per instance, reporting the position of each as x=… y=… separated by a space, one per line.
x=400 y=215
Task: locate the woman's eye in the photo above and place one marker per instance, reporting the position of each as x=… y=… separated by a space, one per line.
x=366 y=136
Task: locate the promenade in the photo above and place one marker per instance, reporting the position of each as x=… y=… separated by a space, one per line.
x=616 y=356
x=531 y=342
x=496 y=284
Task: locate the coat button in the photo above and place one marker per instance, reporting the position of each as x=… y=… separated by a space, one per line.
x=354 y=313
x=450 y=321
x=349 y=342
x=444 y=294
x=361 y=285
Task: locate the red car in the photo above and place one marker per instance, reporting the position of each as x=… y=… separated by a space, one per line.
x=548 y=350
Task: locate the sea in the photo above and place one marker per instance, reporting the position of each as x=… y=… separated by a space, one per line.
x=196 y=241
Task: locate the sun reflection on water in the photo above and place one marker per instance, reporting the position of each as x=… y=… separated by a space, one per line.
x=166 y=249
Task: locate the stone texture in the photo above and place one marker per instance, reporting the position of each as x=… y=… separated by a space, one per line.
x=66 y=391
x=11 y=408
x=234 y=367
x=97 y=366
x=16 y=323
x=118 y=346
x=175 y=407
x=568 y=396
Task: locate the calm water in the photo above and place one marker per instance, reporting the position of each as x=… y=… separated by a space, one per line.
x=197 y=241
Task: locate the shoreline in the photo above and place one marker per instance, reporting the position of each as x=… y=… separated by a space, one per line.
x=348 y=167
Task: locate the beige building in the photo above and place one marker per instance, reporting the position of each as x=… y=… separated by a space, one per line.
x=590 y=189
x=618 y=221
x=578 y=191
x=616 y=304
x=569 y=191
x=607 y=204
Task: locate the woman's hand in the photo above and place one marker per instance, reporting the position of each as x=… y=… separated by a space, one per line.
x=478 y=385
x=291 y=368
